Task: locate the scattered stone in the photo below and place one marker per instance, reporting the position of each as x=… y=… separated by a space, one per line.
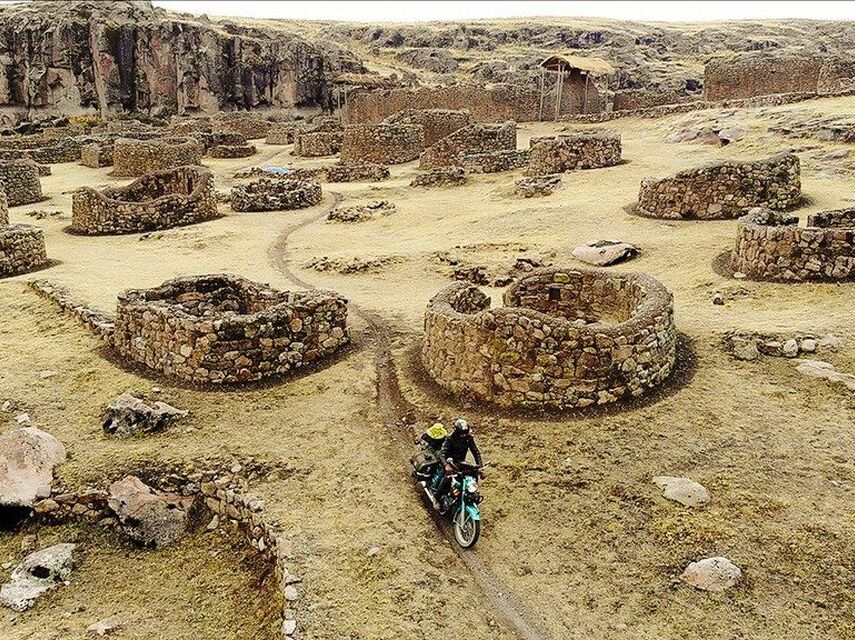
x=23 y=418
x=790 y=348
x=38 y=573
x=352 y=265
x=826 y=371
x=712 y=574
x=830 y=342
x=474 y=274
x=536 y=186
x=48 y=373
x=373 y=551
x=745 y=349
x=105 y=627
x=440 y=177
x=718 y=298
x=127 y=415
x=27 y=459
x=683 y=490
x=288 y=628
x=290 y=593
x=605 y=252
x=808 y=345
x=214 y=523
x=149 y=518
x=361 y=213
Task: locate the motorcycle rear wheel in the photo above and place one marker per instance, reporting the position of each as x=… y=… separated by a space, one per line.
x=466 y=529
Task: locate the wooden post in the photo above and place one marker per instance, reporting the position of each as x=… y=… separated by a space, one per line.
x=585 y=100
x=560 y=89
x=542 y=89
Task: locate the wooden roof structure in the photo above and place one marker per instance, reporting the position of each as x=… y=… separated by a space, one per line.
x=564 y=64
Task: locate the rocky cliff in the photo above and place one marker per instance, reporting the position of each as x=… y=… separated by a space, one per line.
x=69 y=58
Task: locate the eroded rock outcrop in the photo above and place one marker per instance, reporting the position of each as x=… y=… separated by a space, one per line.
x=27 y=458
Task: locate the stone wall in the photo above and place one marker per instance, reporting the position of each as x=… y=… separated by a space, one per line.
x=771 y=246
x=232 y=151
x=566 y=152
x=40 y=149
x=440 y=177
x=437 y=123
x=249 y=125
x=496 y=161
x=318 y=143
x=96 y=321
x=382 y=143
x=723 y=190
x=97 y=154
x=496 y=103
x=22 y=249
x=632 y=99
x=565 y=339
x=221 y=329
x=20 y=181
x=476 y=138
x=4 y=207
x=281 y=133
x=281 y=193
x=132 y=158
x=171 y=198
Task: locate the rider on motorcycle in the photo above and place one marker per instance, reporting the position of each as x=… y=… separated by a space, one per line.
x=454 y=450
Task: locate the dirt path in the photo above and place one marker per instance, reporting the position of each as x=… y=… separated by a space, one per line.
x=393 y=406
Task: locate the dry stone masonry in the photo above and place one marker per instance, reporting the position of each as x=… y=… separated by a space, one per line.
x=440 y=177
x=565 y=339
x=232 y=151
x=537 y=186
x=723 y=190
x=496 y=161
x=223 y=329
x=276 y=194
x=132 y=158
x=475 y=138
x=171 y=198
x=567 y=152
x=22 y=249
x=382 y=143
x=318 y=143
x=40 y=149
x=281 y=134
x=20 y=181
x=771 y=246
x=437 y=123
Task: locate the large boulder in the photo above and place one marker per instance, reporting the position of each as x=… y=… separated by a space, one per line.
x=683 y=490
x=27 y=458
x=712 y=574
x=127 y=415
x=39 y=572
x=149 y=518
x=605 y=252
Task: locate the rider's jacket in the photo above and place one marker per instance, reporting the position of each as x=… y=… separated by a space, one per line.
x=456 y=447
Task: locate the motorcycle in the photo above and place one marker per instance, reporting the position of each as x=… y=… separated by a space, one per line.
x=461 y=500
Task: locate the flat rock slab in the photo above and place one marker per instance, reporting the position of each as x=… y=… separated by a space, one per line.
x=128 y=415
x=683 y=490
x=826 y=371
x=149 y=518
x=27 y=458
x=38 y=573
x=605 y=252
x=712 y=574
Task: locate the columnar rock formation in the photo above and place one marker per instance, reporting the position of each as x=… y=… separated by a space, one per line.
x=437 y=123
x=276 y=194
x=566 y=152
x=723 y=190
x=160 y=200
x=475 y=138
x=71 y=58
x=382 y=143
x=20 y=182
x=132 y=158
x=225 y=329
x=771 y=246
x=564 y=339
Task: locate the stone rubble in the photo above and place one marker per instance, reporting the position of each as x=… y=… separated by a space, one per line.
x=127 y=415
x=37 y=574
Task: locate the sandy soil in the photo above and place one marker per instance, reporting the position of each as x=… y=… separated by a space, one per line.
x=574 y=528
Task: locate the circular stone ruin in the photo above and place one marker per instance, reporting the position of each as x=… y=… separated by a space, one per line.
x=565 y=339
x=382 y=143
x=771 y=246
x=132 y=158
x=20 y=179
x=723 y=190
x=22 y=247
x=568 y=152
x=160 y=200
x=276 y=194
x=220 y=329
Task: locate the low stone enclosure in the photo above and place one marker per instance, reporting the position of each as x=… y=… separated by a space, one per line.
x=437 y=123
x=723 y=190
x=771 y=246
x=318 y=143
x=221 y=329
x=133 y=158
x=382 y=143
x=475 y=138
x=249 y=125
x=281 y=193
x=40 y=149
x=282 y=133
x=232 y=151
x=20 y=181
x=565 y=339
x=568 y=152
x=22 y=247
x=160 y=200
x=496 y=161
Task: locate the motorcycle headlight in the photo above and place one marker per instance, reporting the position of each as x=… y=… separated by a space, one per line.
x=473 y=487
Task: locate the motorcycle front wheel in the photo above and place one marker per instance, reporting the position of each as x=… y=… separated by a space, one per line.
x=466 y=529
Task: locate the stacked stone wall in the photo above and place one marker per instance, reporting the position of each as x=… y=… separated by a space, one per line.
x=771 y=246
x=133 y=158
x=160 y=200
x=723 y=190
x=565 y=339
x=20 y=180
x=22 y=249
x=583 y=150
x=437 y=123
x=276 y=194
x=382 y=143
x=233 y=151
x=281 y=133
x=96 y=155
x=634 y=99
x=249 y=125
x=222 y=329
x=475 y=138
x=496 y=161
x=96 y=321
x=318 y=143
x=40 y=149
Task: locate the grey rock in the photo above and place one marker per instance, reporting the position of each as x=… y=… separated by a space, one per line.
x=683 y=490
x=149 y=518
x=127 y=415
x=605 y=252
x=712 y=574
x=27 y=459
x=38 y=573
x=105 y=627
x=790 y=348
x=745 y=349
